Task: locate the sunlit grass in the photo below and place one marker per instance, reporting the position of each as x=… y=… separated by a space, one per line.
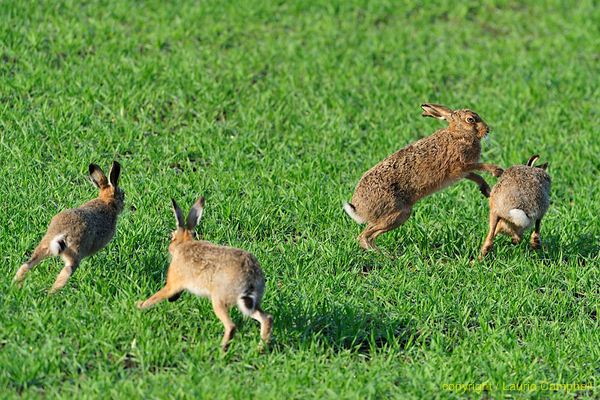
x=273 y=112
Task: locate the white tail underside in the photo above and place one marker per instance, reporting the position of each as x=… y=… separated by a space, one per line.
x=519 y=218
x=55 y=247
x=242 y=304
x=352 y=213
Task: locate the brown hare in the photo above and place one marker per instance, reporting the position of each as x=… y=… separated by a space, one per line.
x=385 y=195
x=80 y=232
x=519 y=200
x=228 y=276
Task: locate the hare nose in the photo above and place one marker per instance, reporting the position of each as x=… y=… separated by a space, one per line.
x=487 y=129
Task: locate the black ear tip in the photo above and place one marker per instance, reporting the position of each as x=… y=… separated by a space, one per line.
x=173 y=202
x=93 y=167
x=116 y=164
x=532 y=160
x=201 y=201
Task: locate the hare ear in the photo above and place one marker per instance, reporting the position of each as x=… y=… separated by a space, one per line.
x=532 y=160
x=195 y=213
x=544 y=166
x=178 y=214
x=436 y=111
x=114 y=173
x=97 y=176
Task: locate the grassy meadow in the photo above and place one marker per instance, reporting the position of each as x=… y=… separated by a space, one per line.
x=273 y=110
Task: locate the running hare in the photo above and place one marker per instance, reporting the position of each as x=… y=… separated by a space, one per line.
x=385 y=195
x=519 y=199
x=226 y=275
x=80 y=232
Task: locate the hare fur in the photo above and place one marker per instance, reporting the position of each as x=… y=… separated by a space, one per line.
x=385 y=195
x=519 y=200
x=80 y=232
x=228 y=276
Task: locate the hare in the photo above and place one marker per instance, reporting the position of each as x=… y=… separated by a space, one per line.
x=385 y=195
x=228 y=276
x=519 y=199
x=80 y=232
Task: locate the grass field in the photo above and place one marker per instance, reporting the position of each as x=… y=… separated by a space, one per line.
x=273 y=110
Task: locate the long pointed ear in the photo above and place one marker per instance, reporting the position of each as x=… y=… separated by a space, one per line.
x=114 y=173
x=532 y=160
x=544 y=166
x=195 y=213
x=436 y=111
x=178 y=214
x=97 y=176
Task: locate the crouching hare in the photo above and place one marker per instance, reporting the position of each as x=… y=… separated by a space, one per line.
x=228 y=276
x=80 y=232
x=519 y=199
x=385 y=195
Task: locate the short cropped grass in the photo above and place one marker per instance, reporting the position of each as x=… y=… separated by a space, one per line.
x=273 y=111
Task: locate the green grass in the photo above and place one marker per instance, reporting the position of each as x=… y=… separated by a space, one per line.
x=273 y=110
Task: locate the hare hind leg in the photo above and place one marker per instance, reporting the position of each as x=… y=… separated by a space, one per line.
x=509 y=229
x=266 y=324
x=222 y=312
x=536 y=241
x=362 y=238
x=385 y=224
x=71 y=263
x=489 y=240
x=40 y=253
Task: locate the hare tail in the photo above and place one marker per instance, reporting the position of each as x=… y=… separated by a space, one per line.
x=58 y=244
x=519 y=218
x=351 y=211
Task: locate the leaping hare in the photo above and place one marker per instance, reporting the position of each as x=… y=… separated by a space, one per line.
x=385 y=195
x=80 y=232
x=228 y=276
x=519 y=199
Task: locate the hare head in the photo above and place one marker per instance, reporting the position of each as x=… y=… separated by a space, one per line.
x=185 y=230
x=458 y=120
x=110 y=192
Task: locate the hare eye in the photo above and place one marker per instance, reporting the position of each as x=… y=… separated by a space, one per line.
x=470 y=120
